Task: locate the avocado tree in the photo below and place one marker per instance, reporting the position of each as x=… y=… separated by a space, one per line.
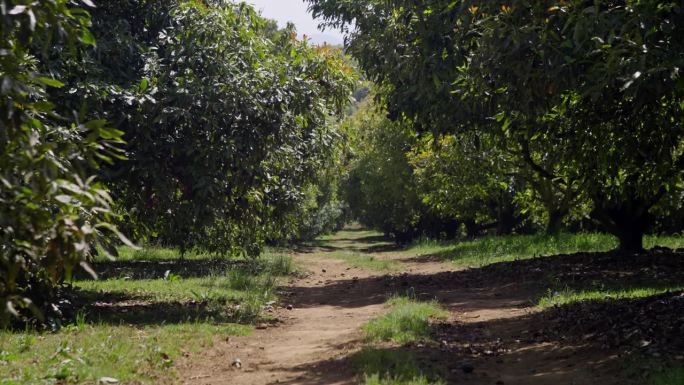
x=381 y=187
x=595 y=84
x=466 y=178
x=52 y=210
x=226 y=118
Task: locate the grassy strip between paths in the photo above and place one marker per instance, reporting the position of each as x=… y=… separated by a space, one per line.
x=365 y=261
x=137 y=329
x=569 y=296
x=391 y=367
x=492 y=249
x=407 y=321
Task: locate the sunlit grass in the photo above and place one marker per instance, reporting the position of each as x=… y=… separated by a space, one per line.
x=407 y=321
x=84 y=353
x=492 y=249
x=351 y=234
x=364 y=260
x=155 y=253
x=568 y=296
x=391 y=367
x=232 y=286
x=141 y=327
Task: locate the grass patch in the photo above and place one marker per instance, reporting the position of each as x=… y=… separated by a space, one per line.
x=364 y=261
x=352 y=234
x=492 y=249
x=407 y=321
x=670 y=376
x=391 y=367
x=568 y=296
x=84 y=353
x=155 y=253
x=138 y=328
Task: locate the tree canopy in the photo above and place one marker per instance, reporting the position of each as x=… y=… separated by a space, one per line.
x=588 y=94
x=195 y=124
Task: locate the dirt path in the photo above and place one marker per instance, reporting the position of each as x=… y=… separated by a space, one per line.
x=490 y=328
x=309 y=346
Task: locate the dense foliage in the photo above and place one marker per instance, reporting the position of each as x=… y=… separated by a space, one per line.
x=226 y=119
x=381 y=187
x=587 y=95
x=196 y=124
x=51 y=211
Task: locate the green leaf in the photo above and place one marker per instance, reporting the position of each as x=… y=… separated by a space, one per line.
x=50 y=82
x=143 y=85
x=87 y=37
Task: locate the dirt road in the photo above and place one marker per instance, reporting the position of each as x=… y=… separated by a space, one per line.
x=490 y=327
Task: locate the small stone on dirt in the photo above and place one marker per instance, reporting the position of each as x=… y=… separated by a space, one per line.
x=262 y=326
x=237 y=363
x=323 y=270
x=108 y=380
x=289 y=307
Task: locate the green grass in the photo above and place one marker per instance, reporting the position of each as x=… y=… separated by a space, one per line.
x=568 y=296
x=155 y=253
x=407 y=321
x=358 y=234
x=492 y=249
x=141 y=327
x=87 y=352
x=391 y=367
x=671 y=376
x=364 y=260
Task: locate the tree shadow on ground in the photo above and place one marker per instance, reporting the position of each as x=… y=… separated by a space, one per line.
x=366 y=239
x=508 y=284
x=121 y=308
x=506 y=338
x=383 y=248
x=579 y=343
x=315 y=246
x=157 y=269
x=402 y=363
x=653 y=265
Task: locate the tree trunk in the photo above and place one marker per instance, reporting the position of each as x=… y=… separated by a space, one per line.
x=628 y=221
x=631 y=240
x=554 y=222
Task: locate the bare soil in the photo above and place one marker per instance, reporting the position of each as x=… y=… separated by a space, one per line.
x=495 y=326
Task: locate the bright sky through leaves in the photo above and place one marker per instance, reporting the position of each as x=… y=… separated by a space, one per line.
x=296 y=12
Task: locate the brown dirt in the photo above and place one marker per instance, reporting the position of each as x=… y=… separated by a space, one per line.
x=494 y=326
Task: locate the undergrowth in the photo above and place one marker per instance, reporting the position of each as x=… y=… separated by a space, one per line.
x=136 y=329
x=492 y=249
x=407 y=321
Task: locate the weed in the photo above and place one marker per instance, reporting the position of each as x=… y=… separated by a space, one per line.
x=407 y=321
x=568 y=295
x=391 y=367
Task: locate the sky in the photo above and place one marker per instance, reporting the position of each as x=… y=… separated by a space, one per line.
x=295 y=11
